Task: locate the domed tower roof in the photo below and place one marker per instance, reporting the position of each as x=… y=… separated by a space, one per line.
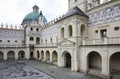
x=33 y=16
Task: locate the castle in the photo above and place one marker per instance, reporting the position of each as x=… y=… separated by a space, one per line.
x=85 y=39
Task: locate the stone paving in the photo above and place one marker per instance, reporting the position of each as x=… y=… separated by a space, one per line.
x=59 y=72
x=20 y=70
x=33 y=69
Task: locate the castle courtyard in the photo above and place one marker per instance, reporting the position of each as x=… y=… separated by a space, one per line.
x=33 y=69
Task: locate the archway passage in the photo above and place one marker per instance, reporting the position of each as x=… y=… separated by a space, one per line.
x=21 y=55
x=11 y=55
x=94 y=63
x=115 y=65
x=67 y=60
x=54 y=58
x=47 y=56
x=42 y=55
x=31 y=55
x=1 y=55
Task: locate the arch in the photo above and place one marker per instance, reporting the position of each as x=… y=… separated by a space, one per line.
x=38 y=54
x=70 y=31
x=62 y=32
x=115 y=65
x=11 y=55
x=67 y=59
x=37 y=40
x=94 y=61
x=1 y=55
x=82 y=30
x=31 y=39
x=31 y=55
x=42 y=55
x=54 y=57
x=47 y=56
x=21 y=54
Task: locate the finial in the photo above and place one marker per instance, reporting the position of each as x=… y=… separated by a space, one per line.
x=40 y=12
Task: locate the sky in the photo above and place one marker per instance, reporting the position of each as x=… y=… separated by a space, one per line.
x=13 y=11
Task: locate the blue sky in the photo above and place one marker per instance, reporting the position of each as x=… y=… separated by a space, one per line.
x=13 y=11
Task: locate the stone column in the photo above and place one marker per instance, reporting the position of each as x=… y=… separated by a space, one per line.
x=16 y=55
x=105 y=64
x=27 y=54
x=51 y=57
x=44 y=57
x=5 y=56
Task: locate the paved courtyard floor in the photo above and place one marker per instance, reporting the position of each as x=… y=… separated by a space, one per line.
x=33 y=69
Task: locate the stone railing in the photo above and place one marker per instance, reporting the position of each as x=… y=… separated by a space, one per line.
x=47 y=45
x=103 y=41
x=8 y=45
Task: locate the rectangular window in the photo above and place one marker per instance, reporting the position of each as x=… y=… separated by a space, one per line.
x=103 y=33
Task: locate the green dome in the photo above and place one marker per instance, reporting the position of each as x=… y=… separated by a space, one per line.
x=33 y=16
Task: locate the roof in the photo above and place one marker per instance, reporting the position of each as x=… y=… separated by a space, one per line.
x=74 y=11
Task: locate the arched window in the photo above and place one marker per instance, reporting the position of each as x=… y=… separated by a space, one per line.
x=70 y=31
x=82 y=31
x=51 y=40
x=37 y=29
x=37 y=40
x=46 y=41
x=31 y=39
x=62 y=32
x=31 y=29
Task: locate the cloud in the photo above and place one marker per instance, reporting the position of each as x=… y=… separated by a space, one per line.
x=13 y=11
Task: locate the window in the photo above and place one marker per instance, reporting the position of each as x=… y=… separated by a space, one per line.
x=51 y=40
x=31 y=29
x=116 y=28
x=96 y=31
x=103 y=33
x=31 y=39
x=0 y=40
x=70 y=31
x=62 y=32
x=37 y=29
x=46 y=41
x=8 y=40
x=16 y=41
x=75 y=0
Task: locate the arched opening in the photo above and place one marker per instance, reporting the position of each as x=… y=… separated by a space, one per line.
x=42 y=55
x=31 y=39
x=21 y=55
x=37 y=40
x=47 y=56
x=67 y=59
x=70 y=31
x=94 y=62
x=1 y=55
x=62 y=32
x=82 y=31
x=38 y=55
x=31 y=55
x=11 y=55
x=115 y=65
x=54 y=58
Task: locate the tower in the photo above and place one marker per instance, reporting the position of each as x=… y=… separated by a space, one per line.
x=41 y=18
x=82 y=4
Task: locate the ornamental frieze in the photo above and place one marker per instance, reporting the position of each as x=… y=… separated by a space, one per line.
x=109 y=14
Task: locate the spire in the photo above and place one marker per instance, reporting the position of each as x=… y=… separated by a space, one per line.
x=35 y=8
